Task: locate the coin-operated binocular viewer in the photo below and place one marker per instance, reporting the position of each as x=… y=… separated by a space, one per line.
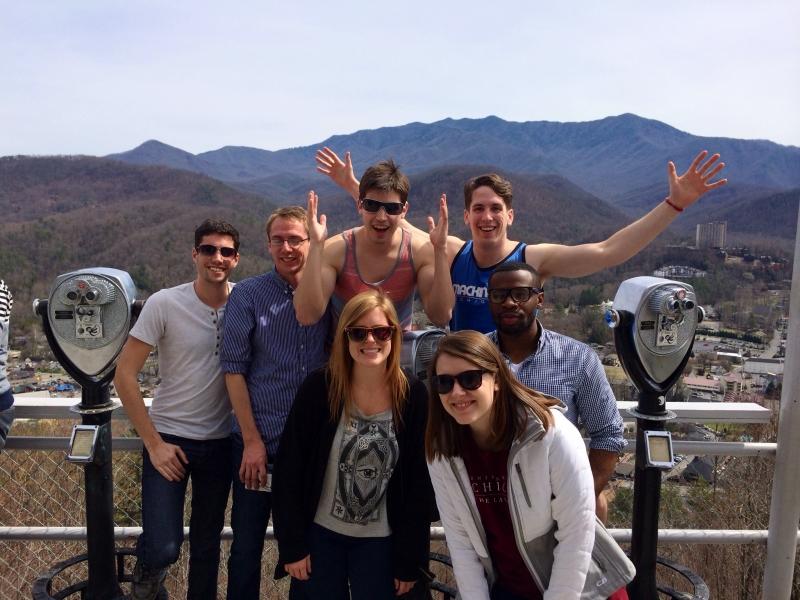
x=654 y=322
x=86 y=320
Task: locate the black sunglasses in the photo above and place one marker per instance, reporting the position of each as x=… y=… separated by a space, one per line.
x=468 y=380
x=211 y=250
x=373 y=206
x=518 y=294
x=380 y=333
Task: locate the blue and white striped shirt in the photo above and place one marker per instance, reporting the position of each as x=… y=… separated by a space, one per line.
x=571 y=371
x=263 y=341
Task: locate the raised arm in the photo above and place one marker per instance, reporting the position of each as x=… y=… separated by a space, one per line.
x=341 y=173
x=433 y=277
x=577 y=261
x=319 y=276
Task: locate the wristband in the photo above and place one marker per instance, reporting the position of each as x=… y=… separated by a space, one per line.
x=672 y=204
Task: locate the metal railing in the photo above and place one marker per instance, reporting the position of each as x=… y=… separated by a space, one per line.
x=42 y=514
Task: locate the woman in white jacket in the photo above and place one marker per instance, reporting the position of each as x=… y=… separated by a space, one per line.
x=513 y=485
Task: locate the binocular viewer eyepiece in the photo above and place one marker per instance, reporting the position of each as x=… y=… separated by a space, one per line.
x=89 y=313
x=654 y=322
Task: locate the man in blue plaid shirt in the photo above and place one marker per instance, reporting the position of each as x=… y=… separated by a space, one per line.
x=556 y=365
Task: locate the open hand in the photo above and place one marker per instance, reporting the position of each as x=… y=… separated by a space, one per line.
x=317 y=229
x=329 y=163
x=686 y=189
x=438 y=231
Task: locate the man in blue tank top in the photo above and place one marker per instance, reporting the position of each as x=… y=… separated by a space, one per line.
x=488 y=212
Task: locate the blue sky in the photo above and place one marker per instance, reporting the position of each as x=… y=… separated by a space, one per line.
x=95 y=77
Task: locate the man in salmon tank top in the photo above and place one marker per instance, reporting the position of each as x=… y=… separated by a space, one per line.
x=379 y=254
x=488 y=213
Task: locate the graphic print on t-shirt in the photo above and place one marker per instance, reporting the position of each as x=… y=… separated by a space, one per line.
x=367 y=457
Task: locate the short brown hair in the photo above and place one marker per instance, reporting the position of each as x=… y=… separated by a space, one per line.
x=513 y=402
x=340 y=367
x=499 y=185
x=212 y=226
x=297 y=213
x=385 y=176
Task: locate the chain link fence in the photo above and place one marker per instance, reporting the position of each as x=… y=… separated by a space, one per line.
x=39 y=488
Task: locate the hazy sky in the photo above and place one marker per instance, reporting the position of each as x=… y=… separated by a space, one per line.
x=95 y=77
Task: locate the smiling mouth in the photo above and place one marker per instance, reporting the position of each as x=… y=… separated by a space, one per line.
x=463 y=405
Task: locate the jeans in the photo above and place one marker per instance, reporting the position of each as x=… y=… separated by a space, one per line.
x=336 y=559
x=251 y=510
x=162 y=512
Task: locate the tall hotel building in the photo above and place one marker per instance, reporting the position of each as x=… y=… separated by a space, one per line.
x=711 y=235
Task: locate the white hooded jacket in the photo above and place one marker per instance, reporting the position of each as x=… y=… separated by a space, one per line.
x=552 y=503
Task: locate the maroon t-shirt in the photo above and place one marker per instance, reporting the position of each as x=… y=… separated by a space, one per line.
x=487 y=476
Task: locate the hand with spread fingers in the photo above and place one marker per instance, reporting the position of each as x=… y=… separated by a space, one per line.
x=686 y=189
x=340 y=171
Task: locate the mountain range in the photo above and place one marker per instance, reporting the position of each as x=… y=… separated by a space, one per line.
x=573 y=182
x=621 y=160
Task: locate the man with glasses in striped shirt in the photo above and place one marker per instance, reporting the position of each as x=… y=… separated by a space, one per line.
x=266 y=354
x=556 y=365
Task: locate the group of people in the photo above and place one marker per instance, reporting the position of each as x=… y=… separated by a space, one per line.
x=350 y=455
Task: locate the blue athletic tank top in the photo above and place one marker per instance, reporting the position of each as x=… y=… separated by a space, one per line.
x=470 y=285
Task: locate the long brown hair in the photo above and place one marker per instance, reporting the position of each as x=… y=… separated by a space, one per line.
x=512 y=405
x=341 y=363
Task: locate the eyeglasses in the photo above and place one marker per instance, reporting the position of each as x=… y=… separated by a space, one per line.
x=518 y=294
x=211 y=250
x=379 y=334
x=294 y=242
x=373 y=206
x=468 y=380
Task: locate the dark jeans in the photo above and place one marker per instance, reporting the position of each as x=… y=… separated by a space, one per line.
x=251 y=510
x=336 y=559
x=162 y=512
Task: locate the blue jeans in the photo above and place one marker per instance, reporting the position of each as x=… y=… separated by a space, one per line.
x=336 y=559
x=251 y=510
x=162 y=512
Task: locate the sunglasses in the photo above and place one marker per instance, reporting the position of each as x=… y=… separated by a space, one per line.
x=468 y=380
x=211 y=250
x=373 y=206
x=380 y=333
x=518 y=294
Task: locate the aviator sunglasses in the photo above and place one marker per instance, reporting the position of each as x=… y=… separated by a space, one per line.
x=211 y=250
x=518 y=294
x=373 y=206
x=468 y=380
x=380 y=333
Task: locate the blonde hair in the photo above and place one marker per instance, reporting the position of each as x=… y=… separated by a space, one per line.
x=296 y=213
x=341 y=362
x=443 y=433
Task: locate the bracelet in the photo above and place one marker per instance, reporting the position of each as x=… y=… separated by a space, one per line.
x=672 y=204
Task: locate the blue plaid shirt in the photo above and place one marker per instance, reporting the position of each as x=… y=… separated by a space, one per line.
x=571 y=371
x=263 y=341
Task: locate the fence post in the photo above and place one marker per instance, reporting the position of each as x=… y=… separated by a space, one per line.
x=784 y=512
